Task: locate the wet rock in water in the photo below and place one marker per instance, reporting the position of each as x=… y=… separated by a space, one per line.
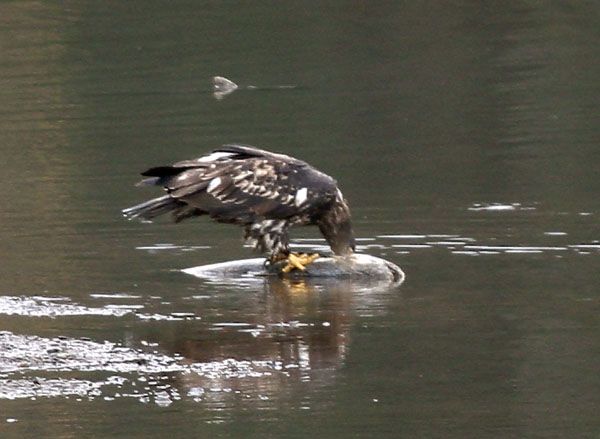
x=223 y=86
x=357 y=266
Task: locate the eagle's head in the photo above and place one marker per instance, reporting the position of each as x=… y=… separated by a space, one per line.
x=336 y=227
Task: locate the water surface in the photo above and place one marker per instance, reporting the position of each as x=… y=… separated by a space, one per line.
x=465 y=136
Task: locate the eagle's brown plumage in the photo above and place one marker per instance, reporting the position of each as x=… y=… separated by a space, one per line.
x=267 y=193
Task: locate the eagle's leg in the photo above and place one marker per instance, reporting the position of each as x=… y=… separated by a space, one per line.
x=271 y=235
x=298 y=261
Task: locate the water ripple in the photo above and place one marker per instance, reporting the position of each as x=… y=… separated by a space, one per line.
x=41 y=306
x=129 y=373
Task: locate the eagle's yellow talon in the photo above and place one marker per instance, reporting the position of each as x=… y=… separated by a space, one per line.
x=298 y=261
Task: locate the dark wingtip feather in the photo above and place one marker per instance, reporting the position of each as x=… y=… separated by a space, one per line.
x=151 y=208
x=242 y=150
x=161 y=171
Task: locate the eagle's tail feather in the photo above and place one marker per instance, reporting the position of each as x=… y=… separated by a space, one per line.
x=152 y=208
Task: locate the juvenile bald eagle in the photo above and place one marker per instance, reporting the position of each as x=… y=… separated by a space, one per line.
x=264 y=192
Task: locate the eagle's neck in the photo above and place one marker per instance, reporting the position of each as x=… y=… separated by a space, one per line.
x=336 y=226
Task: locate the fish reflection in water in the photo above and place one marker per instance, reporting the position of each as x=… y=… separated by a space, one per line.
x=299 y=328
x=295 y=339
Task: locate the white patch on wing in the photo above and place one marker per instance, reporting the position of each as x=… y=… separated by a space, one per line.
x=214 y=156
x=288 y=199
x=262 y=172
x=301 y=196
x=243 y=184
x=340 y=197
x=213 y=184
x=242 y=176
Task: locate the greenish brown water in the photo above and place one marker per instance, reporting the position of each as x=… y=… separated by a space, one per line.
x=465 y=136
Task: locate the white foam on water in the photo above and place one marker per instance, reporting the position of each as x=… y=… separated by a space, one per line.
x=114 y=296
x=495 y=207
x=498 y=207
x=445 y=243
x=523 y=250
x=120 y=371
x=370 y=246
x=402 y=236
x=117 y=306
x=508 y=248
x=40 y=306
x=443 y=236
